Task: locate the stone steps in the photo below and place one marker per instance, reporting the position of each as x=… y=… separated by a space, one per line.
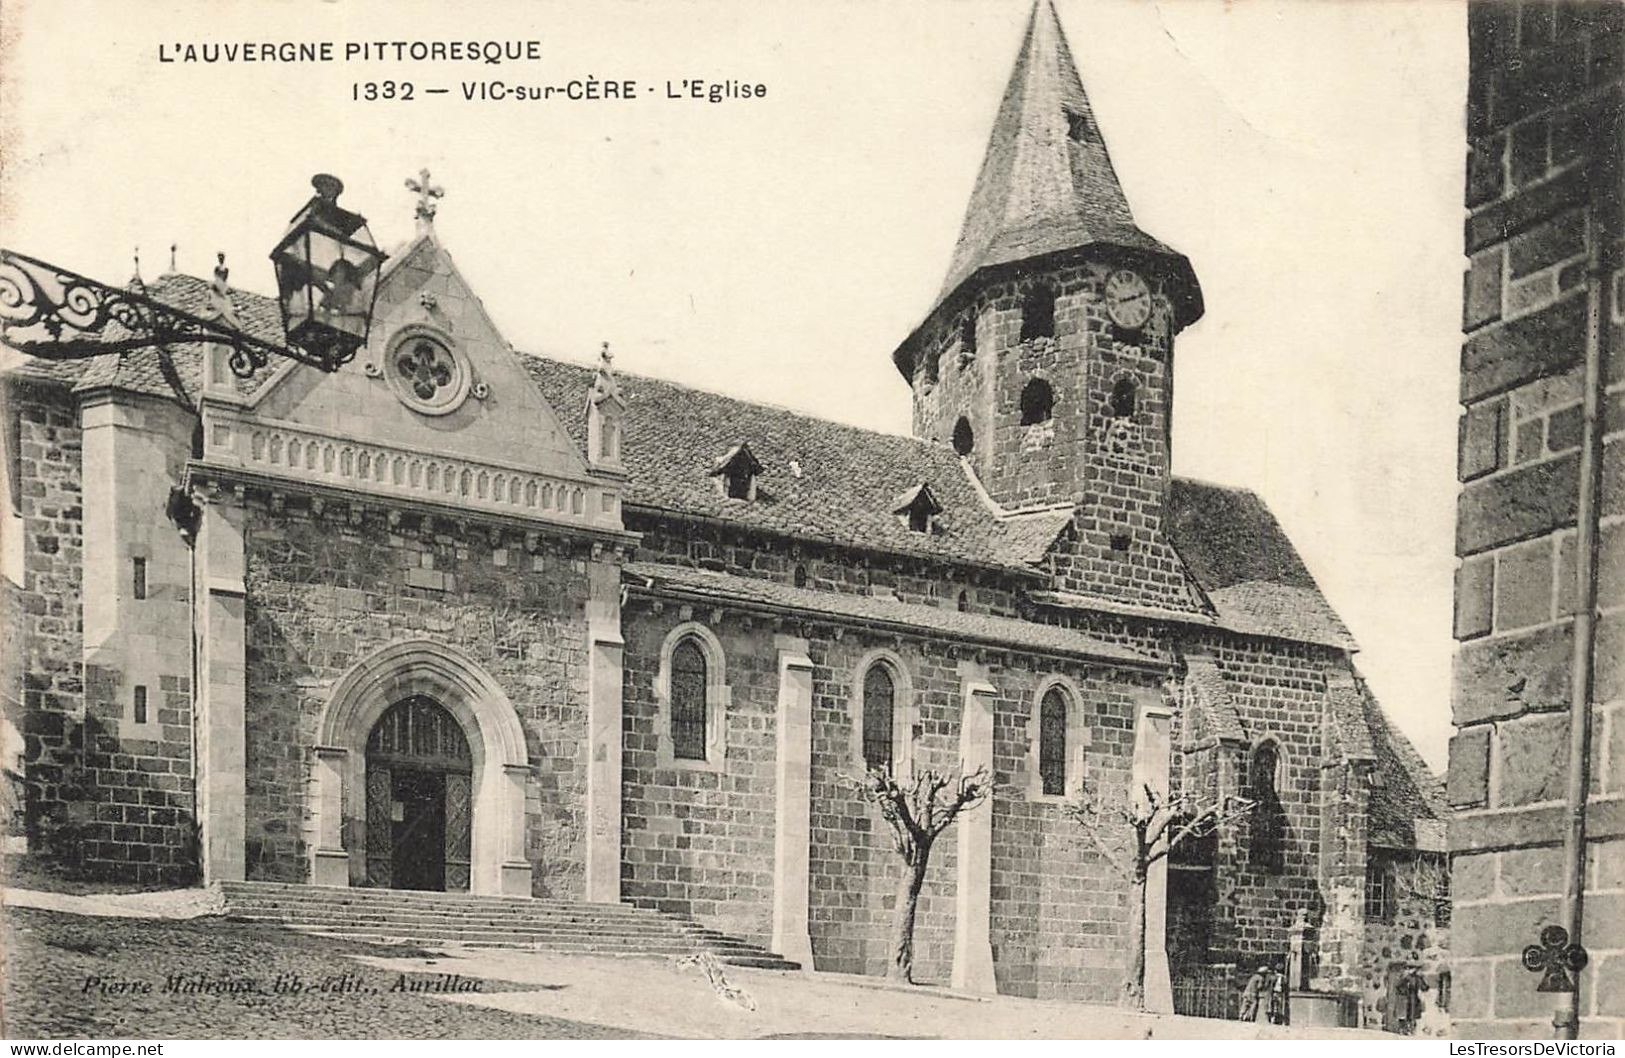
x=486 y=922
x=517 y=930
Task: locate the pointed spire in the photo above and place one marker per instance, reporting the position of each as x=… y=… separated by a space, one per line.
x=1047 y=184
x=135 y=282
x=173 y=269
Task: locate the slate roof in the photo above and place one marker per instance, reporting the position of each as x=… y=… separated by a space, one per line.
x=726 y=588
x=848 y=481
x=1351 y=726
x=1236 y=550
x=845 y=493
x=1407 y=805
x=1204 y=675
x=1047 y=184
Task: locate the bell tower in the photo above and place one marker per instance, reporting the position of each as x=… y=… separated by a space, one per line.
x=1047 y=359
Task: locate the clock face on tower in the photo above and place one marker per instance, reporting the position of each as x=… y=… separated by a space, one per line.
x=1128 y=299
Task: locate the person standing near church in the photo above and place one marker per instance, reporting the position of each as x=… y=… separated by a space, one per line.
x=1252 y=990
x=1279 y=1010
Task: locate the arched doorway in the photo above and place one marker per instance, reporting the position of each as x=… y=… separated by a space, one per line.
x=340 y=796
x=419 y=798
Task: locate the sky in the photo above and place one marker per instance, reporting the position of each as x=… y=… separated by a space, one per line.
x=1306 y=156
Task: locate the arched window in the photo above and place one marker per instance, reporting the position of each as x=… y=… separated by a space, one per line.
x=1052 y=741
x=967 y=337
x=964 y=601
x=879 y=717
x=964 y=438
x=1037 y=402
x=801 y=576
x=1267 y=846
x=1038 y=314
x=1124 y=397
x=688 y=693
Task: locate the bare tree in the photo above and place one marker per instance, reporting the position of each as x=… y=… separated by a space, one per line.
x=1134 y=832
x=917 y=812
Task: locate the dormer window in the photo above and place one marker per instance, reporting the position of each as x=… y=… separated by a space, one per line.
x=918 y=508
x=737 y=471
x=1038 y=314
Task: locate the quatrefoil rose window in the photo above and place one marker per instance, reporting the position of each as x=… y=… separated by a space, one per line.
x=427 y=373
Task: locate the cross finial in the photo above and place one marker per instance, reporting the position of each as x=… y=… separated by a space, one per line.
x=428 y=194
x=172 y=248
x=135 y=278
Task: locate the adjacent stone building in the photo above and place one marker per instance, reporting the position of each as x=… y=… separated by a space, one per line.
x=1543 y=186
x=455 y=617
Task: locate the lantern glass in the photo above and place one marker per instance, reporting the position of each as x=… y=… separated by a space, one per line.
x=327 y=267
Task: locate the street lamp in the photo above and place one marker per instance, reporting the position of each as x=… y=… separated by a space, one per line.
x=327 y=268
x=327 y=274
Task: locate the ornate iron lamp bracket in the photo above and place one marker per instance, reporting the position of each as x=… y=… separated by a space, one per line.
x=49 y=312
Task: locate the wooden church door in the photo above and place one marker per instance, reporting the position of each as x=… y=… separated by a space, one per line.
x=419 y=799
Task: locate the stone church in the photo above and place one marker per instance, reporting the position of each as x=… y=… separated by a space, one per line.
x=456 y=617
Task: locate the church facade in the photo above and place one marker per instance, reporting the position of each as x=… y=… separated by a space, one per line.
x=456 y=617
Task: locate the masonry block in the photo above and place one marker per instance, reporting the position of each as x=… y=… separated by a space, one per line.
x=1534 y=760
x=1542 y=343
x=1475 y=599
x=1481 y=300
x=1472 y=877
x=1482 y=441
x=1467 y=780
x=1506 y=677
x=1501 y=929
x=1517 y=505
x=1532 y=872
x=1554 y=240
x=1523 y=585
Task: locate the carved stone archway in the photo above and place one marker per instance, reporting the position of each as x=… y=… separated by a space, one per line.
x=501 y=768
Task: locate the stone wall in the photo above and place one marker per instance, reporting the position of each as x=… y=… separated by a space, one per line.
x=137 y=625
x=324 y=591
x=698 y=836
x=1060 y=909
x=1114 y=467
x=1545 y=91
x=59 y=806
x=700 y=839
x=1278 y=690
x=1413 y=934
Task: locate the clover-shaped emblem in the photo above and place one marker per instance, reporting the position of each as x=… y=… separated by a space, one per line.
x=1556 y=959
x=426 y=368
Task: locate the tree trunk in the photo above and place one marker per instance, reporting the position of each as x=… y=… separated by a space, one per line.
x=908 y=900
x=1134 y=983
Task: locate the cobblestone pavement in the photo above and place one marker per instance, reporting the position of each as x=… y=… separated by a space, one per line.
x=76 y=976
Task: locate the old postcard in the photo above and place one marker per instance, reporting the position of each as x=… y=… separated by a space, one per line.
x=625 y=520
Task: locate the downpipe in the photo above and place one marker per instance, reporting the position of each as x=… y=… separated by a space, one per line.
x=1582 y=675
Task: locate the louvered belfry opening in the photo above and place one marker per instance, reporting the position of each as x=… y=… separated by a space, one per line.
x=419 y=799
